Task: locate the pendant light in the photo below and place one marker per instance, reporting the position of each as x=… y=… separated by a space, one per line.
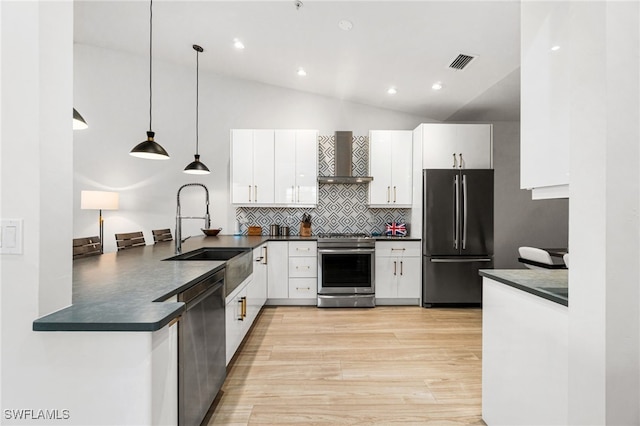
x=197 y=167
x=150 y=149
x=78 y=121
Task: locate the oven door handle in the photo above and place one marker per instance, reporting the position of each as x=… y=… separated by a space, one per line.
x=347 y=251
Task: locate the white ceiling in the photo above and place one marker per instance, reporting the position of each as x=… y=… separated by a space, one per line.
x=408 y=45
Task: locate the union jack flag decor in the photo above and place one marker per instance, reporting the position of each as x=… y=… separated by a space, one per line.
x=395 y=229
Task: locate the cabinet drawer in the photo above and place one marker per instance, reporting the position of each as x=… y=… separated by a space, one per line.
x=398 y=248
x=303 y=267
x=302 y=248
x=303 y=288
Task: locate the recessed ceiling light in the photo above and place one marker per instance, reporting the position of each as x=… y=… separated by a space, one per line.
x=556 y=47
x=238 y=44
x=392 y=90
x=437 y=85
x=345 y=25
x=301 y=72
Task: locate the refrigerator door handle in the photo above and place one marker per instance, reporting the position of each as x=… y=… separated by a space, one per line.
x=456 y=224
x=465 y=260
x=464 y=212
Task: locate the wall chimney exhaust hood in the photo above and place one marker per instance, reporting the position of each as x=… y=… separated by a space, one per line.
x=343 y=166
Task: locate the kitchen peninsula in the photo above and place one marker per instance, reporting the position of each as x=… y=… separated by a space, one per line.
x=525 y=347
x=123 y=328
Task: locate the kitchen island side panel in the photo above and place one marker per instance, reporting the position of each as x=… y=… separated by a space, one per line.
x=524 y=358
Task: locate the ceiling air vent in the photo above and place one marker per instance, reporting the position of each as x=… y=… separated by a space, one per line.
x=461 y=61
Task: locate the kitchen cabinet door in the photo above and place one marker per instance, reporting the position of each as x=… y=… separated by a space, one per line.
x=234 y=322
x=296 y=167
x=402 y=168
x=278 y=270
x=391 y=166
x=263 y=166
x=257 y=288
x=252 y=167
x=443 y=144
x=409 y=282
x=380 y=167
x=398 y=272
x=545 y=98
x=241 y=166
x=306 y=181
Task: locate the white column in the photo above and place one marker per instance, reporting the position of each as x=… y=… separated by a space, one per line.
x=604 y=330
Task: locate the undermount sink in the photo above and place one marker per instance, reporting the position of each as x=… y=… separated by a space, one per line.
x=209 y=254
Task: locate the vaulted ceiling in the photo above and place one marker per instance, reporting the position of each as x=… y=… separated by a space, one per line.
x=406 y=45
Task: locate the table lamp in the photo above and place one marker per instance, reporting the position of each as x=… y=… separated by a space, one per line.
x=99 y=200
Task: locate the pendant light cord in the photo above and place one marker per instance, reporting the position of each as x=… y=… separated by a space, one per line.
x=197 y=94
x=150 y=53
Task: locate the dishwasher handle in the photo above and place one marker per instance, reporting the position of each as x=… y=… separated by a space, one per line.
x=201 y=290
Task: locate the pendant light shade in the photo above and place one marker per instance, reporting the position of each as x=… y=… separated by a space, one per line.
x=150 y=149
x=197 y=167
x=78 y=121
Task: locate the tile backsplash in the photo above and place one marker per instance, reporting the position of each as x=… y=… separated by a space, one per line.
x=341 y=207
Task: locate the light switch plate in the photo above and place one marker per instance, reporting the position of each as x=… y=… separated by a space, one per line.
x=10 y=236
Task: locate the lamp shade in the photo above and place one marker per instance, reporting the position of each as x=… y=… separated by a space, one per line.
x=78 y=122
x=197 y=167
x=99 y=200
x=150 y=149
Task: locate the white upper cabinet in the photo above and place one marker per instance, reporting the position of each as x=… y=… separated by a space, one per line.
x=466 y=146
x=545 y=99
x=252 y=166
x=390 y=165
x=296 y=167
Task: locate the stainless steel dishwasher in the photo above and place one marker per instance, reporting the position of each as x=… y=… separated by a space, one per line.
x=201 y=348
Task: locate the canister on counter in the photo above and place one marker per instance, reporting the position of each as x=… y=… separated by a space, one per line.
x=274 y=230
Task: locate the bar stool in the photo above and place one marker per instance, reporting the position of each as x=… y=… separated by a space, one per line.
x=130 y=240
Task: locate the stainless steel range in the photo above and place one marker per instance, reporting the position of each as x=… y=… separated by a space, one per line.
x=346 y=271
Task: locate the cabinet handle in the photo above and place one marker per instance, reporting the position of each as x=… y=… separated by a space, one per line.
x=303 y=288
x=303 y=249
x=241 y=302
x=401 y=249
x=394 y=194
x=244 y=307
x=293 y=194
x=306 y=267
x=455 y=161
x=264 y=255
x=255 y=194
x=461 y=161
x=401 y=267
x=388 y=194
x=394 y=267
x=250 y=193
x=298 y=200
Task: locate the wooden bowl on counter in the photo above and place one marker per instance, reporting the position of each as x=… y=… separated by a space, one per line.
x=211 y=232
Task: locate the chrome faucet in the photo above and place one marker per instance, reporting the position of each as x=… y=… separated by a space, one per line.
x=179 y=217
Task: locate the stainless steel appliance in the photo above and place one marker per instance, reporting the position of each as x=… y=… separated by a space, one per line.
x=346 y=271
x=201 y=348
x=343 y=171
x=457 y=234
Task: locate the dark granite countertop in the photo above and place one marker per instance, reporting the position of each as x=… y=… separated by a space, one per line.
x=549 y=284
x=124 y=291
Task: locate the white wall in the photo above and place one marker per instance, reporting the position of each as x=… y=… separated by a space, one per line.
x=111 y=92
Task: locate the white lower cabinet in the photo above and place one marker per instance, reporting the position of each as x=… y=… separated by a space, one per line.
x=293 y=273
x=235 y=316
x=398 y=273
x=278 y=270
x=244 y=303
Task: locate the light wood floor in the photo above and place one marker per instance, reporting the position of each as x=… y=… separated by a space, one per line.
x=387 y=365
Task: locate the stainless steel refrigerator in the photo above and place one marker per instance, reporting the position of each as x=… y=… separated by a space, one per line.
x=457 y=234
